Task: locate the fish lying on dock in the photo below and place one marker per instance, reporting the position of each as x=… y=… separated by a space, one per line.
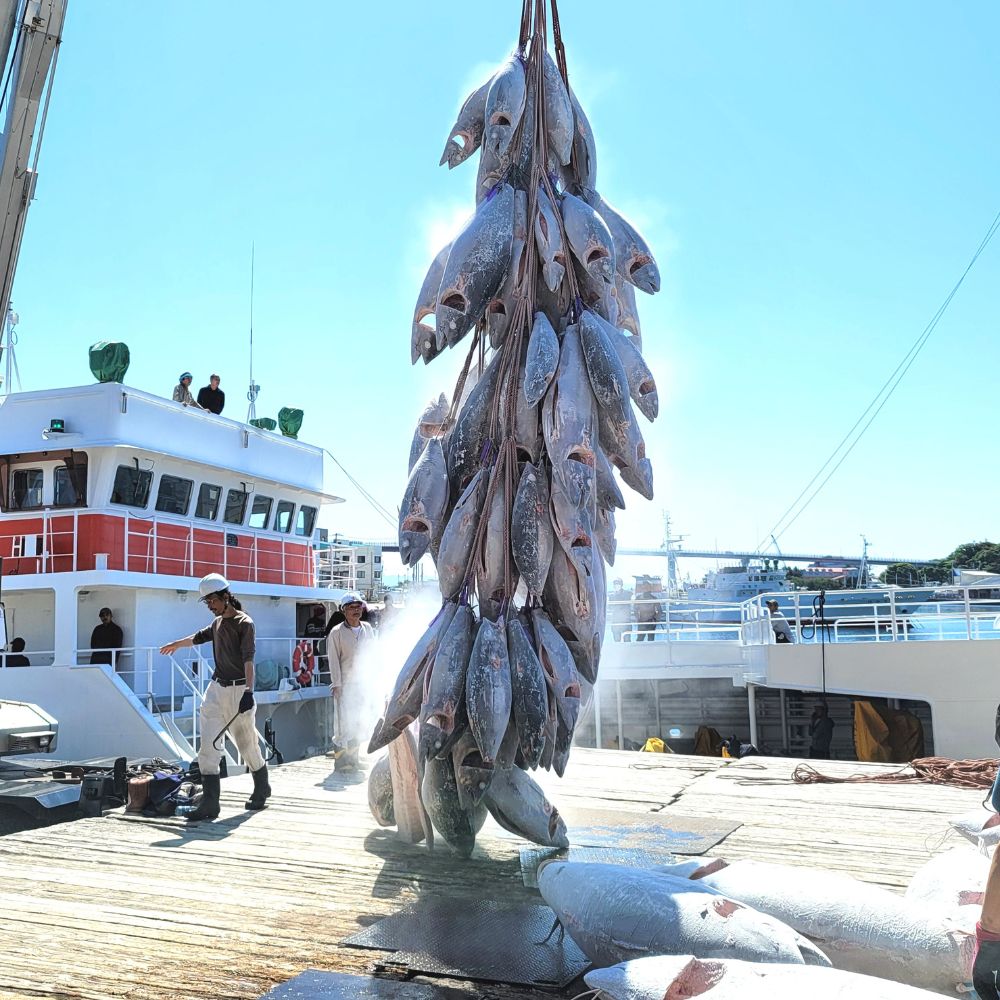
x=511 y=489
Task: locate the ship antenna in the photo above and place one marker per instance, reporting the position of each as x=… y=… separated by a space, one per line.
x=8 y=341
x=254 y=388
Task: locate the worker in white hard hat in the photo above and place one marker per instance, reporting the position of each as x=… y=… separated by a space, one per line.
x=228 y=700
x=346 y=683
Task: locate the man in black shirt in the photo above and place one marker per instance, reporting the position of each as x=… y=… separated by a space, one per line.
x=16 y=657
x=316 y=630
x=211 y=397
x=106 y=637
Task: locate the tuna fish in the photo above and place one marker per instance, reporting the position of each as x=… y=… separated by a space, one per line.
x=505 y=105
x=459 y=536
x=529 y=693
x=477 y=264
x=560 y=670
x=862 y=927
x=500 y=310
x=615 y=913
x=572 y=602
x=520 y=806
x=446 y=686
x=604 y=535
x=404 y=702
x=495 y=557
x=424 y=341
x=559 y=122
x=542 y=360
x=468 y=436
x=467 y=132
x=548 y=237
x=380 y=792
x=573 y=512
x=584 y=148
x=439 y=792
x=531 y=529
x=424 y=504
x=607 y=373
x=589 y=238
x=634 y=262
x=673 y=977
x=472 y=774
x=488 y=689
x=568 y=417
x=431 y=424
x=626 y=450
x=608 y=494
x=641 y=384
x=628 y=313
x=412 y=822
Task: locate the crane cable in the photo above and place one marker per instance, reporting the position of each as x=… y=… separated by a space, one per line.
x=890 y=384
x=372 y=502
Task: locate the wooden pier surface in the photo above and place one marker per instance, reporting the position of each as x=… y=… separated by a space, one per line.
x=138 y=908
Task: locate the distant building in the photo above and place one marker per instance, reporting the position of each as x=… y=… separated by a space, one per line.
x=349 y=565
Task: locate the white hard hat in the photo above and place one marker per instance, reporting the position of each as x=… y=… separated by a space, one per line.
x=212 y=584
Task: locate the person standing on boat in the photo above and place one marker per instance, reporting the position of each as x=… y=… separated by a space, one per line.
x=16 y=657
x=182 y=391
x=106 y=639
x=619 y=610
x=228 y=700
x=779 y=625
x=647 y=611
x=346 y=683
x=211 y=397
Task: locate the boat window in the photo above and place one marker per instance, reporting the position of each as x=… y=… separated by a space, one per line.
x=208 y=501
x=306 y=521
x=283 y=519
x=132 y=486
x=236 y=506
x=70 y=485
x=260 y=512
x=26 y=489
x=174 y=495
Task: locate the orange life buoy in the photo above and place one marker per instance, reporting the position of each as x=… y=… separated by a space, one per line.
x=303 y=662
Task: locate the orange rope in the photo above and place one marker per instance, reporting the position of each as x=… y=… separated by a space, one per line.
x=935 y=770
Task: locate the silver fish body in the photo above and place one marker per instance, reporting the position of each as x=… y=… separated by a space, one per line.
x=584 y=147
x=490 y=573
x=568 y=410
x=459 y=536
x=439 y=792
x=500 y=310
x=468 y=436
x=424 y=503
x=478 y=262
x=504 y=105
x=559 y=667
x=446 y=688
x=573 y=511
x=608 y=494
x=548 y=238
x=626 y=450
x=634 y=262
x=559 y=121
x=641 y=384
x=572 y=603
x=531 y=528
x=628 y=312
x=604 y=366
x=404 y=701
x=542 y=359
x=467 y=132
x=424 y=340
x=520 y=806
x=411 y=819
x=488 y=689
x=529 y=692
x=431 y=424
x=380 y=792
x=472 y=774
x=589 y=238
x=604 y=533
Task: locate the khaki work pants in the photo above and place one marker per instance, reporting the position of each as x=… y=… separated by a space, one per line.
x=220 y=705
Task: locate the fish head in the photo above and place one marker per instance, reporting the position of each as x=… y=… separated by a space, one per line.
x=640 y=477
x=644 y=274
x=460 y=146
x=432 y=736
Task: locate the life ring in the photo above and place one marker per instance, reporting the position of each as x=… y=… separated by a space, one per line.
x=303 y=662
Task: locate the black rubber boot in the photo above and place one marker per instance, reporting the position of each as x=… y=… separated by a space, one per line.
x=209 y=808
x=261 y=789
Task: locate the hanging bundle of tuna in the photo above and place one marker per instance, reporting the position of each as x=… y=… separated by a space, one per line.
x=511 y=488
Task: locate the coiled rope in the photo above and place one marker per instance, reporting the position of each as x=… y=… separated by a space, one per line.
x=934 y=770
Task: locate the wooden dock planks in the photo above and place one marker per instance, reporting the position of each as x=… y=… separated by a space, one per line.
x=138 y=908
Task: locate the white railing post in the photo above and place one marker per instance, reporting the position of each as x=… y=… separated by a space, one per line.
x=893 y=620
x=968 y=613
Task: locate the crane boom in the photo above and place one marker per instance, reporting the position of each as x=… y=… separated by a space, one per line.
x=34 y=29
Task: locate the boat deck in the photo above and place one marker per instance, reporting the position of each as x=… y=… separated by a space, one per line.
x=140 y=908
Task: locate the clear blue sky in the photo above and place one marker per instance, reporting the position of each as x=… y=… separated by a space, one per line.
x=812 y=176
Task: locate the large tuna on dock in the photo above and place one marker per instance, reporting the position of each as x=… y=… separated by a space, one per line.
x=512 y=490
x=674 y=977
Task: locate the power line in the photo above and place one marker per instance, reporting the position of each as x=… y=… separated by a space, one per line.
x=884 y=394
x=373 y=503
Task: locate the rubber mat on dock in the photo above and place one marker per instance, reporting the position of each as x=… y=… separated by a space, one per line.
x=532 y=857
x=649 y=831
x=477 y=939
x=313 y=985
